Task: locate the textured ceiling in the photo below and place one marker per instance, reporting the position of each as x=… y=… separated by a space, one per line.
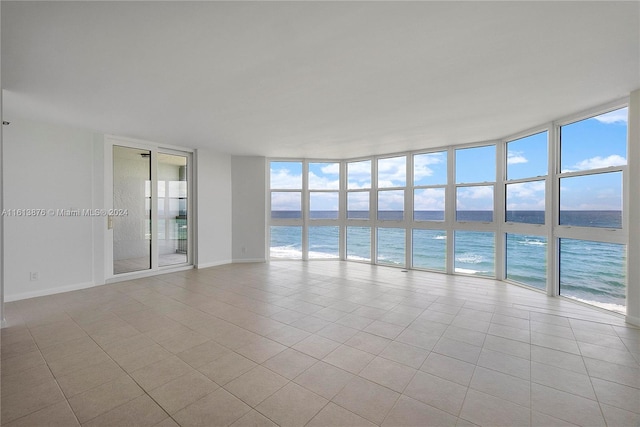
x=315 y=79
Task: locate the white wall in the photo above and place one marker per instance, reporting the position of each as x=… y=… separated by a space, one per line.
x=249 y=189
x=213 y=199
x=47 y=167
x=53 y=167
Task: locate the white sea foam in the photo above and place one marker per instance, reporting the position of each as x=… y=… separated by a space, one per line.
x=357 y=258
x=440 y=238
x=321 y=255
x=467 y=271
x=607 y=306
x=288 y=252
x=470 y=259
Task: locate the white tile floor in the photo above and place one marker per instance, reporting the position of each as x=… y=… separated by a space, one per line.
x=318 y=344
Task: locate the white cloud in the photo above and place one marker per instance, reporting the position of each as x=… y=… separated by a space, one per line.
x=599 y=162
x=526 y=196
x=289 y=201
x=590 y=198
x=284 y=179
x=617 y=116
x=392 y=172
x=480 y=192
x=320 y=201
x=526 y=190
x=475 y=198
x=591 y=207
x=359 y=174
x=322 y=182
x=331 y=169
x=358 y=201
x=421 y=164
x=429 y=199
x=516 y=157
x=391 y=200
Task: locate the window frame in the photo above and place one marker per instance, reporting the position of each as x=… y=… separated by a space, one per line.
x=551 y=230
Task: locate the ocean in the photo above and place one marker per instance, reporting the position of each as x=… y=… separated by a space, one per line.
x=591 y=272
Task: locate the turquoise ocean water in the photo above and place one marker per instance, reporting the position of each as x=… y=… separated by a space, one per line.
x=590 y=271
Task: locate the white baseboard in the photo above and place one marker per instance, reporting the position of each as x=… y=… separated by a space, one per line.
x=48 y=291
x=233 y=261
x=249 y=260
x=635 y=321
x=213 y=264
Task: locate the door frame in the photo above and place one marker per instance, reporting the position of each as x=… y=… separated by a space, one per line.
x=109 y=142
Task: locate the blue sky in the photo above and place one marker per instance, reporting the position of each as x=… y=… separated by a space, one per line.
x=587 y=144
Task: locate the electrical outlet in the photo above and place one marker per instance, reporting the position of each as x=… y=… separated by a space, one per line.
x=33 y=276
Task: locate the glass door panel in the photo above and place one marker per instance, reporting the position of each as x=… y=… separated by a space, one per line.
x=172 y=209
x=131 y=194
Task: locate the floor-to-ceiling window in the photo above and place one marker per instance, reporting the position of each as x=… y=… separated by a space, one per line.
x=323 y=240
x=544 y=209
x=390 y=218
x=286 y=210
x=527 y=160
x=429 y=235
x=358 y=212
x=475 y=235
x=592 y=242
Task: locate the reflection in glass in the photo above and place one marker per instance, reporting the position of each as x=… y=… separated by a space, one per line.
x=324 y=242
x=475 y=253
x=592 y=200
x=359 y=243
x=525 y=202
x=131 y=193
x=527 y=260
x=594 y=272
x=430 y=169
x=430 y=249
x=391 y=246
x=172 y=209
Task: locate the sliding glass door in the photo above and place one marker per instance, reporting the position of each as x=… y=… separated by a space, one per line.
x=149 y=218
x=172 y=210
x=131 y=219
